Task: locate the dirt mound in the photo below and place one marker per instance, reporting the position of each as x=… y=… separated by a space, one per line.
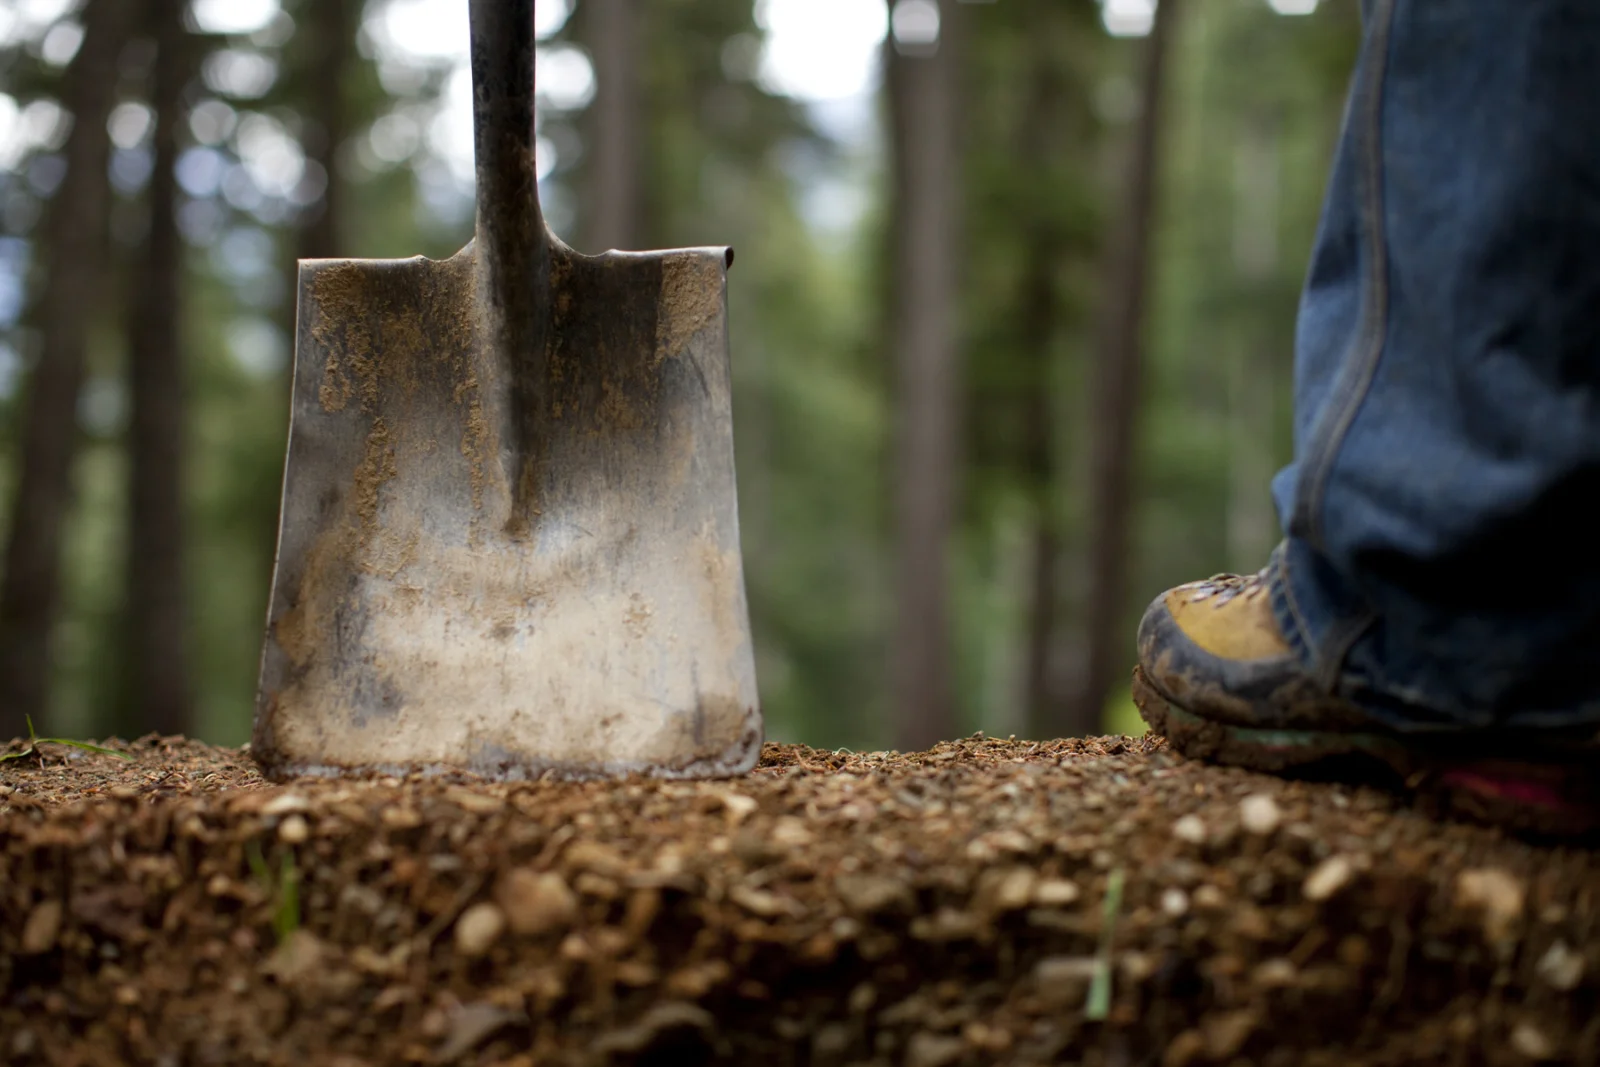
x=987 y=902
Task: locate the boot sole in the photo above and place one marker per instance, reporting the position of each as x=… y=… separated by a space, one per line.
x=1551 y=797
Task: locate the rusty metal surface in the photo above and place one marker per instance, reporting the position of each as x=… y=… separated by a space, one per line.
x=509 y=538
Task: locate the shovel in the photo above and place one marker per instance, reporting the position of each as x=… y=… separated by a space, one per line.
x=509 y=541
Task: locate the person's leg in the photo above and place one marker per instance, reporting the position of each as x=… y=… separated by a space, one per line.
x=1437 y=589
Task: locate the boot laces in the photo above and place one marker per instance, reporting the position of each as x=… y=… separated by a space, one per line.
x=1221 y=588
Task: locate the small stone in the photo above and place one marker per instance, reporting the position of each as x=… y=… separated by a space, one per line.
x=43 y=926
x=862 y=998
x=1560 y=967
x=1175 y=902
x=296 y=960
x=790 y=832
x=401 y=818
x=23 y=1043
x=868 y=894
x=536 y=903
x=471 y=800
x=1055 y=893
x=1260 y=814
x=1494 y=892
x=479 y=927
x=652 y=1030
x=1190 y=829
x=1209 y=898
x=293 y=830
x=286 y=804
x=760 y=902
x=1057 y=971
x=738 y=806
x=470 y=1026
x=1276 y=973
x=933 y=1050
x=1227 y=1033
x=1006 y=890
x=1184 y=1049
x=1331 y=875
x=1532 y=1042
x=598 y=858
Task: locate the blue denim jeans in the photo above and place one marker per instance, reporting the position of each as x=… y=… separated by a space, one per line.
x=1441 y=560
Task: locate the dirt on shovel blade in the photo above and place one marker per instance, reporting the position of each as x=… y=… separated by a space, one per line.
x=986 y=902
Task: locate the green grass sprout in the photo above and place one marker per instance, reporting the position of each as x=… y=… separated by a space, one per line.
x=34 y=741
x=1099 y=1003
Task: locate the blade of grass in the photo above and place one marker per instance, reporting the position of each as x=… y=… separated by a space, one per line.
x=286 y=918
x=1099 y=1003
x=86 y=746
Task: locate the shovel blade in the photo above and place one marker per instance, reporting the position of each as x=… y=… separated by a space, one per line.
x=464 y=584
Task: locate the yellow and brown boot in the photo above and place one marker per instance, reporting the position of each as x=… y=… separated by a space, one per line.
x=1218 y=678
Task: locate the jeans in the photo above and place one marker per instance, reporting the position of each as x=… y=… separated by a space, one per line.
x=1440 y=564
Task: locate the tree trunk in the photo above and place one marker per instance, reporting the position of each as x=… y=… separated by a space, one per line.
x=1040 y=322
x=159 y=696
x=1116 y=394
x=330 y=38
x=611 y=30
x=74 y=248
x=1043 y=705
x=923 y=101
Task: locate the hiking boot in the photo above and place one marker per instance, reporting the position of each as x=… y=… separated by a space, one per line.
x=1218 y=679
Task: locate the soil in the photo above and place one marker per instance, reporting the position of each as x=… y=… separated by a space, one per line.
x=933 y=909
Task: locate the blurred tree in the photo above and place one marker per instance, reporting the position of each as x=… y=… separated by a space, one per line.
x=325 y=52
x=74 y=250
x=924 y=73
x=158 y=694
x=611 y=212
x=1116 y=389
x=1033 y=249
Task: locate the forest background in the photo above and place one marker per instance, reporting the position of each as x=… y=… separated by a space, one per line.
x=1012 y=315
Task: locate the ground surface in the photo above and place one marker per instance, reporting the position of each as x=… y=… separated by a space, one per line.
x=936 y=909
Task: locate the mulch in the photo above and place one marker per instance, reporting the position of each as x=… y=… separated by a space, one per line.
x=1101 y=902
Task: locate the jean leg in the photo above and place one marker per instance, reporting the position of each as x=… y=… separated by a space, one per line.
x=1438 y=565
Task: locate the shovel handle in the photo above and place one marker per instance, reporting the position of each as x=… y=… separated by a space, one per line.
x=510 y=227
x=513 y=247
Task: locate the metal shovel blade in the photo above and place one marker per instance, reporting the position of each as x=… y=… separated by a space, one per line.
x=509 y=539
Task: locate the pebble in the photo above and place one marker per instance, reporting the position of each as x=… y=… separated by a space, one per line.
x=43 y=926
x=479 y=927
x=1260 y=814
x=286 y=804
x=293 y=830
x=1175 y=902
x=867 y=894
x=1331 y=875
x=475 y=802
x=1496 y=893
x=933 y=1050
x=1190 y=828
x=738 y=806
x=536 y=903
x=1560 y=967
x=1532 y=1043
x=1009 y=890
x=1055 y=893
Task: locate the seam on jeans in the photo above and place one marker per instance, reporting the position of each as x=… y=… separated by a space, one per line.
x=1302 y=633
x=1327 y=656
x=1340 y=639
x=1361 y=365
